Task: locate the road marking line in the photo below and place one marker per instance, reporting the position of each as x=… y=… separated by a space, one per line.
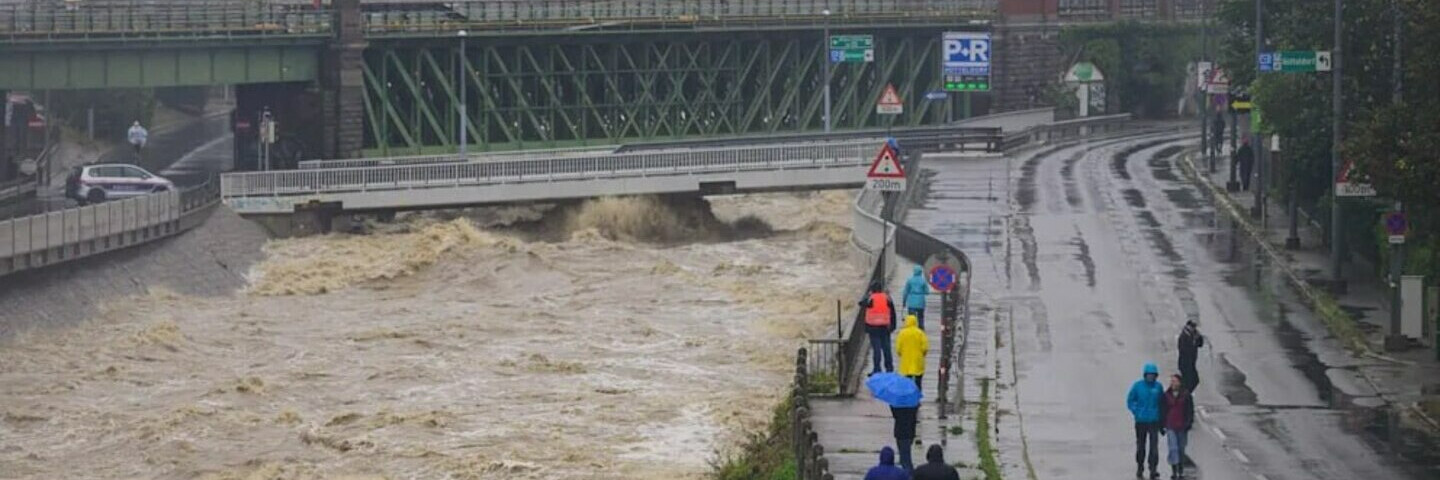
x=1241 y=456
x=1261 y=476
x=1218 y=433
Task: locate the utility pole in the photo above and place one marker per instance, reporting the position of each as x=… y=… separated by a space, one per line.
x=1338 y=58
x=1395 y=341
x=1256 y=142
x=464 y=106
x=825 y=44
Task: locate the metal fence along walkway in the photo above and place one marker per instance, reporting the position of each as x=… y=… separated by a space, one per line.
x=433 y=185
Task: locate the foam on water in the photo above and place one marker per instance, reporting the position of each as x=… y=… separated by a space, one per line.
x=439 y=349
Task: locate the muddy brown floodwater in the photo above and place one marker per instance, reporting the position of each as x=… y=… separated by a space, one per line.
x=443 y=350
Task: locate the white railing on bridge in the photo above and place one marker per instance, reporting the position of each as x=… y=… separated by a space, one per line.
x=442 y=175
x=455 y=158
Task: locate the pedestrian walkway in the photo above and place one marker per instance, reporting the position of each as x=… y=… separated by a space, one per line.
x=1399 y=377
x=854 y=429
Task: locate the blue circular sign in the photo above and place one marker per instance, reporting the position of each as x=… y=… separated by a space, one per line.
x=1395 y=223
x=942 y=277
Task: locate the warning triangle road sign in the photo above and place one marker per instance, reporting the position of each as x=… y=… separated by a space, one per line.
x=890 y=97
x=889 y=103
x=885 y=165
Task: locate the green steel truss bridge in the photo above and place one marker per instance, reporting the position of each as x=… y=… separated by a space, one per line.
x=384 y=79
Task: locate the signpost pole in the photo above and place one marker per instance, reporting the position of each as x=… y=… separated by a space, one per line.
x=1255 y=139
x=1393 y=339
x=828 y=60
x=1292 y=241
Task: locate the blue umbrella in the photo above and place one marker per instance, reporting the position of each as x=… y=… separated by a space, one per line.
x=894 y=390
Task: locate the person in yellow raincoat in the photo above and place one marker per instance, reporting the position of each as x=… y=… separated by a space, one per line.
x=912 y=345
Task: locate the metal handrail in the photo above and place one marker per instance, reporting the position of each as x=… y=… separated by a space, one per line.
x=452 y=158
x=315 y=181
x=134 y=18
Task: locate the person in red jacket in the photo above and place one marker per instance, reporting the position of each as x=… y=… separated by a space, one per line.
x=1177 y=413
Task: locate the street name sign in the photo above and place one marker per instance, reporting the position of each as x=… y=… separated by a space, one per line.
x=1294 y=61
x=852 y=48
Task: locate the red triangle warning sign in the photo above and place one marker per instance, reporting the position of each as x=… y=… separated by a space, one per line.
x=1345 y=168
x=886 y=165
x=890 y=98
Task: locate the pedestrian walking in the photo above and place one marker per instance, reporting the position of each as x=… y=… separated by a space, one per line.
x=912 y=345
x=879 y=322
x=916 y=289
x=1245 y=157
x=137 y=136
x=887 y=470
x=1189 y=344
x=935 y=467
x=1178 y=410
x=1217 y=134
x=1144 y=403
x=905 y=419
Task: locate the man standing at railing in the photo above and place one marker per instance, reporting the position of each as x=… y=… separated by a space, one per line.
x=879 y=322
x=137 y=137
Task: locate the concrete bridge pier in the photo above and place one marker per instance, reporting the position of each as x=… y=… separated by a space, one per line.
x=343 y=84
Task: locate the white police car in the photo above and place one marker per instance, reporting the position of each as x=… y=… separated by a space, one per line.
x=106 y=181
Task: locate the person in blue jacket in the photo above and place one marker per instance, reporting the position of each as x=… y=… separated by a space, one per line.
x=915 y=291
x=1144 y=403
x=887 y=470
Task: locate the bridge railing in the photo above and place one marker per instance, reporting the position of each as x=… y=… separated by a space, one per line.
x=36 y=241
x=316 y=181
x=507 y=14
x=455 y=158
x=140 y=18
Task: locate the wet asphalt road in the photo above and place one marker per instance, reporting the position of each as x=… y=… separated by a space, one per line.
x=187 y=154
x=1089 y=258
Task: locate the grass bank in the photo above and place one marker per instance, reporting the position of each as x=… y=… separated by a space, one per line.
x=983 y=431
x=765 y=455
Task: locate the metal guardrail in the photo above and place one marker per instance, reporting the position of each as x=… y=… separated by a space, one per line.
x=36 y=241
x=473 y=157
x=91 y=19
x=1063 y=130
x=336 y=180
x=542 y=14
x=49 y=21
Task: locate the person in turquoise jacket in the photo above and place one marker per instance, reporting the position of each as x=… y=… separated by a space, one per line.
x=1144 y=404
x=915 y=291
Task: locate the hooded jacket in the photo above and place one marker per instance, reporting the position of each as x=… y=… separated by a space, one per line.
x=916 y=289
x=935 y=467
x=912 y=345
x=1145 y=397
x=887 y=470
x=1189 y=344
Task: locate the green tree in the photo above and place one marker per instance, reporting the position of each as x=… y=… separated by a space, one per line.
x=1144 y=64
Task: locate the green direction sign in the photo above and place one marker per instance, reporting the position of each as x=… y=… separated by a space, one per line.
x=852 y=48
x=1295 y=61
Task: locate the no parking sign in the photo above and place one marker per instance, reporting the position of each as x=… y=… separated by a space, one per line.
x=942 y=277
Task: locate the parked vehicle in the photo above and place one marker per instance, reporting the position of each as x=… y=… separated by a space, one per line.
x=106 y=181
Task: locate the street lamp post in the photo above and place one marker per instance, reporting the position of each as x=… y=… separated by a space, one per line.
x=464 y=106
x=825 y=44
x=1336 y=239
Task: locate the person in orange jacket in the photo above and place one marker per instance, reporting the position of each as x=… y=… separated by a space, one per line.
x=879 y=311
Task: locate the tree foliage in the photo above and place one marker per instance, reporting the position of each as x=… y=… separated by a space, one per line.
x=1394 y=144
x=1144 y=64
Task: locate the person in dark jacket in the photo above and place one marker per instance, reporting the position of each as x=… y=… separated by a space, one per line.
x=905 y=419
x=1189 y=345
x=1144 y=402
x=887 y=470
x=1245 y=158
x=879 y=311
x=935 y=467
x=1178 y=413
